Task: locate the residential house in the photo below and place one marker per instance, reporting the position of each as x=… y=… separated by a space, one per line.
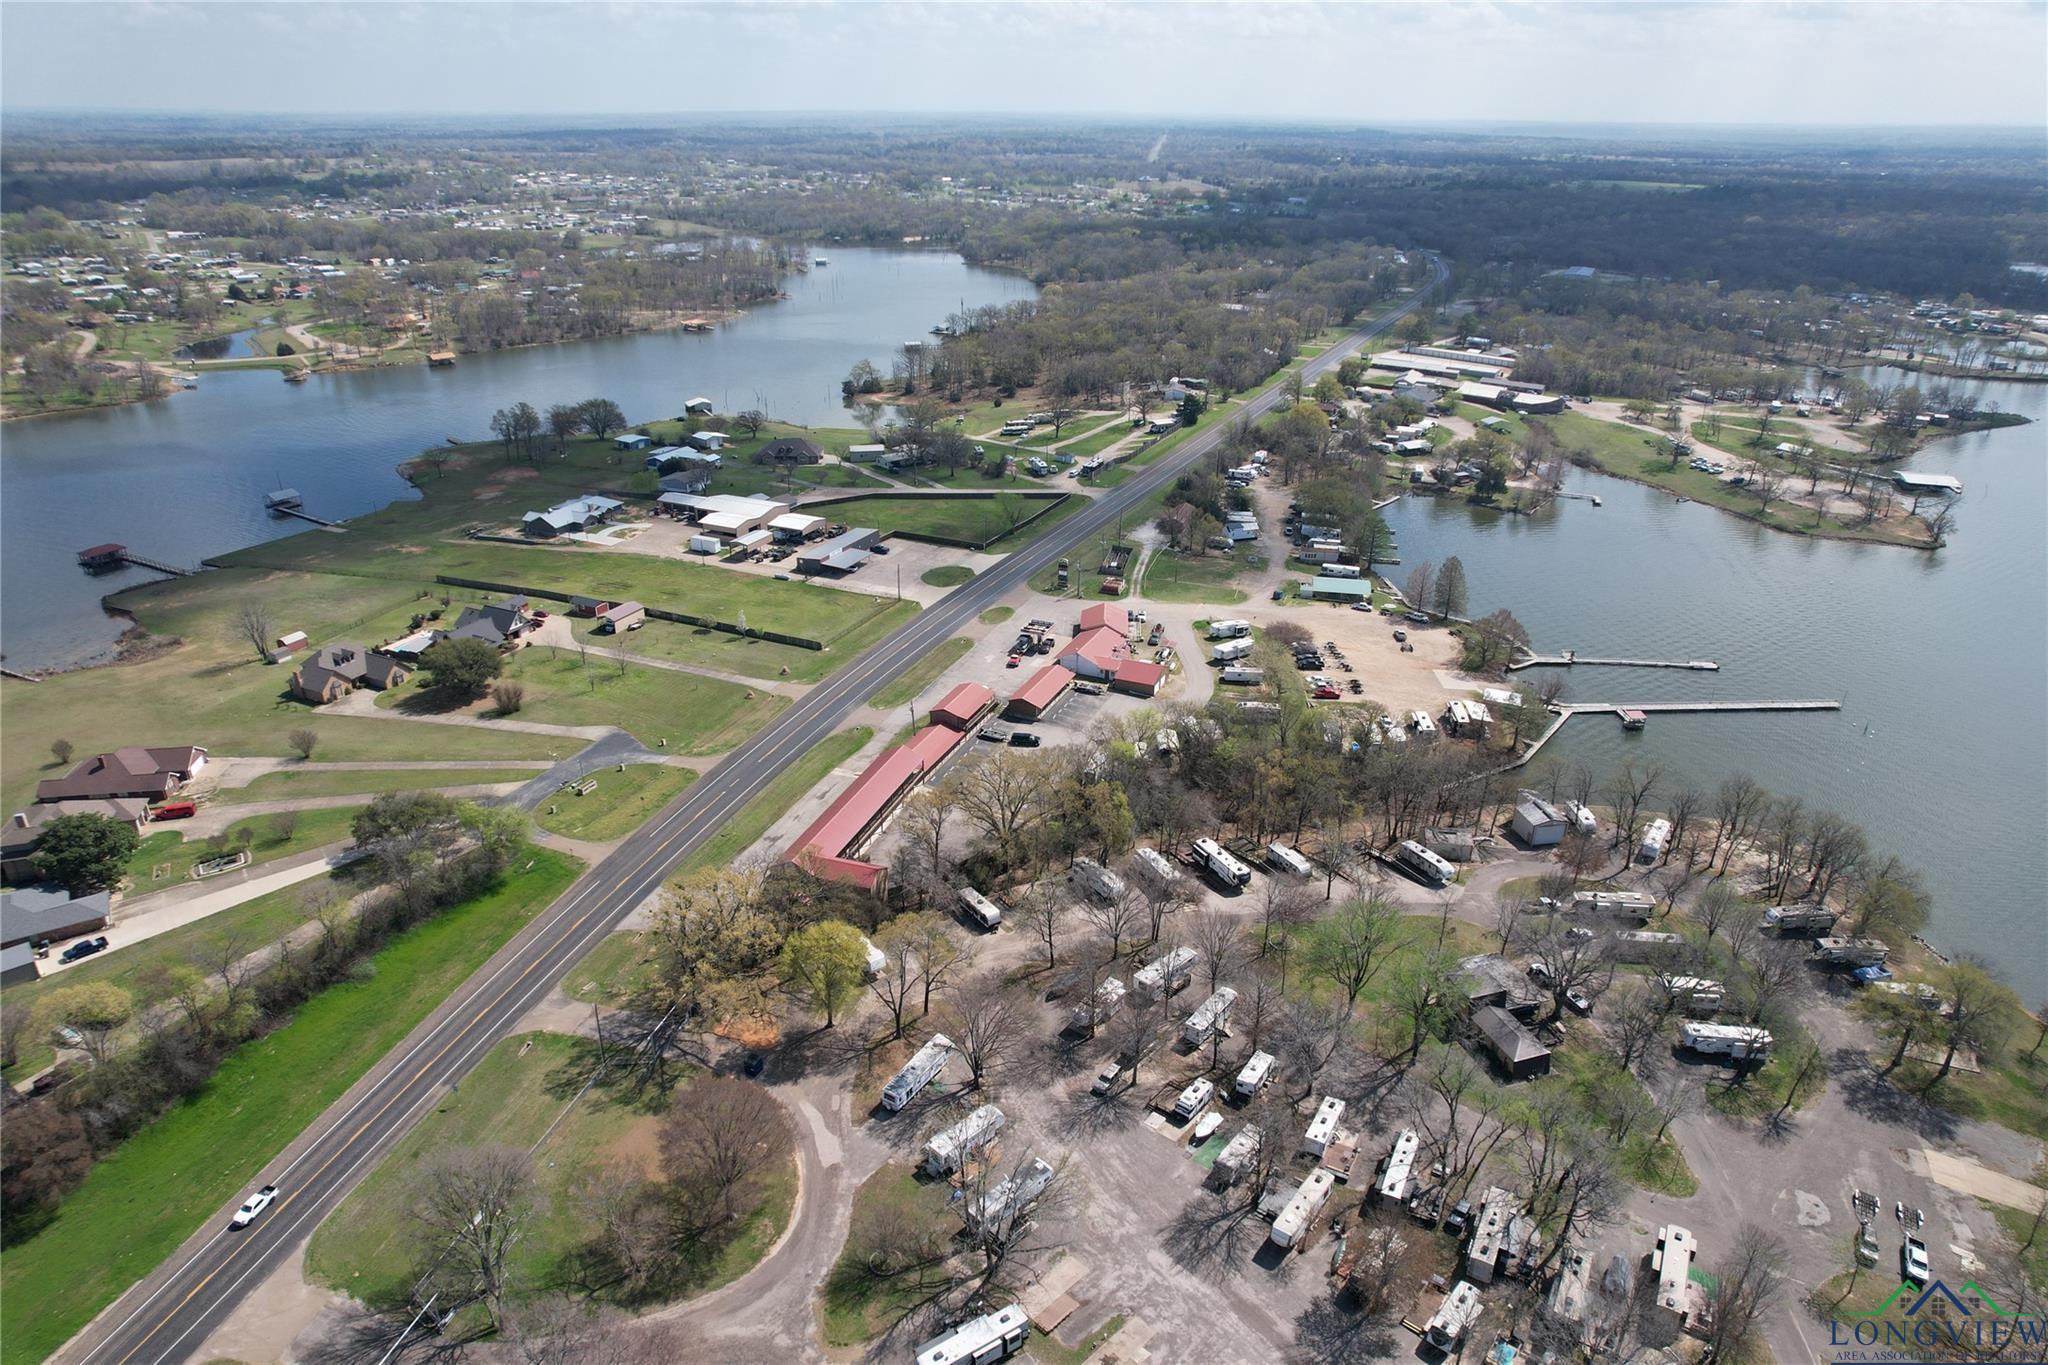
x=1493 y=981
x=24 y=829
x=136 y=771
x=576 y=514
x=619 y=619
x=502 y=625
x=1511 y=1043
x=789 y=450
x=336 y=670
x=46 y=914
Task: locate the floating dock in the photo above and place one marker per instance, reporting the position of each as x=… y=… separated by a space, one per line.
x=1571 y=659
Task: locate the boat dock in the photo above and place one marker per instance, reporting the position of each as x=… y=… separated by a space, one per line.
x=1565 y=710
x=1570 y=659
x=303 y=515
x=102 y=558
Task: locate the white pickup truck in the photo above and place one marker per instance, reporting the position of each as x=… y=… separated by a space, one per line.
x=253 y=1207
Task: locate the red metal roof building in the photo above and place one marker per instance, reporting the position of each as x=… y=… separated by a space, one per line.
x=830 y=847
x=964 y=706
x=1105 y=616
x=1136 y=676
x=1036 y=697
x=1095 y=653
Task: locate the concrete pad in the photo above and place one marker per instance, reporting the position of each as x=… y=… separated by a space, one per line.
x=1128 y=1345
x=1968 y=1177
x=271 y=1318
x=1813 y=1210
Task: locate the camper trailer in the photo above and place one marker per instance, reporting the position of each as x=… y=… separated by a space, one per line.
x=1851 y=952
x=1294 y=1220
x=1221 y=865
x=1490 y=1234
x=1238 y=676
x=1096 y=880
x=1693 y=994
x=1099 y=1008
x=1654 y=839
x=917 y=1073
x=1167 y=974
x=1645 y=945
x=1156 y=868
x=1257 y=1070
x=1633 y=904
x=1446 y=1330
x=979 y=1341
x=1194 y=1099
x=1397 y=1172
x=1210 y=1018
x=1743 y=1043
x=1799 y=919
x=877 y=961
x=1322 y=1129
x=1425 y=864
x=1289 y=860
x=979 y=909
x=947 y=1149
x=1236 y=1158
x=1230 y=651
x=1229 y=630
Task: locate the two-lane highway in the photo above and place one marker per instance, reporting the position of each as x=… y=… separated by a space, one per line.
x=170 y=1314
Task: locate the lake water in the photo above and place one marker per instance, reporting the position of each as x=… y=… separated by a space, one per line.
x=1941 y=749
x=183 y=478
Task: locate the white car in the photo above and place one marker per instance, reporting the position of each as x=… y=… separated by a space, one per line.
x=253 y=1207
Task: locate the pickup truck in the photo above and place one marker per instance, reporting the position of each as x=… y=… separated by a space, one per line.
x=85 y=947
x=253 y=1206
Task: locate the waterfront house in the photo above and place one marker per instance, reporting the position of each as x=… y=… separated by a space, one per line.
x=336 y=670
x=576 y=514
x=632 y=440
x=789 y=450
x=501 y=625
x=136 y=771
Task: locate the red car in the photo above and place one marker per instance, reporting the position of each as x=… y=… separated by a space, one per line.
x=1327 y=693
x=1013 y=662
x=175 y=810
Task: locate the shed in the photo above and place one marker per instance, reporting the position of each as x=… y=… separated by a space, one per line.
x=17 y=965
x=699 y=407
x=964 y=706
x=291 y=640
x=1326 y=589
x=1537 y=823
x=706 y=440
x=632 y=440
x=1512 y=1045
x=1037 y=696
x=589 y=606
x=623 y=617
x=841 y=554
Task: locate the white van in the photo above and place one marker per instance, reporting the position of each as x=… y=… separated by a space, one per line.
x=979 y=909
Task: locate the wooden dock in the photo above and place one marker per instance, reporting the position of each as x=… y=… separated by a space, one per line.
x=1566 y=710
x=1571 y=659
x=303 y=515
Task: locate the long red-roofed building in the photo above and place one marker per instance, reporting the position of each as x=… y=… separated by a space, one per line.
x=964 y=706
x=831 y=847
x=1037 y=696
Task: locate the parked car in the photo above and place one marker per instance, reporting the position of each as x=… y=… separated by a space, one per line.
x=1107 y=1078
x=1418 y=618
x=1400 y=637
x=1023 y=739
x=998 y=733
x=85 y=947
x=1012 y=663
x=1092 y=689
x=1460 y=1217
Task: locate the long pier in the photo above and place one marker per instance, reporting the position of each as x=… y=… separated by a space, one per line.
x=1565 y=710
x=303 y=515
x=1571 y=659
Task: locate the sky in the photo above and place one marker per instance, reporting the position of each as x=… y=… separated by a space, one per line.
x=1844 y=63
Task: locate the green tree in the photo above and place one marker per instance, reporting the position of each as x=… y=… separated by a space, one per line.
x=1450 y=588
x=1900 y=1019
x=1351 y=946
x=93 y=1011
x=84 y=852
x=461 y=667
x=1191 y=409
x=826 y=963
x=601 y=416
x=1891 y=903
x=1980 y=1011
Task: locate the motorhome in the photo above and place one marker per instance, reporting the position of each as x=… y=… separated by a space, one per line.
x=1808 y=918
x=1156 y=868
x=1851 y=952
x=1425 y=864
x=917 y=1073
x=950 y=1147
x=1194 y=1099
x=1693 y=994
x=1243 y=677
x=993 y=1336
x=1743 y=1043
x=1221 y=864
x=1288 y=860
x=1230 y=651
x=1099 y=1008
x=1397 y=1172
x=1166 y=974
x=1654 y=839
x=1210 y=1017
x=1461 y=1307
x=1294 y=1220
x=1322 y=1129
x=1229 y=630
x=979 y=909
x=1096 y=880
x=1257 y=1070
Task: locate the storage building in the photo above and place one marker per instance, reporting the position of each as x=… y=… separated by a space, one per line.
x=1512 y=1045
x=1038 y=695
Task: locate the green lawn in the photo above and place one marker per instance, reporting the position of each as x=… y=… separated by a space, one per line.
x=947 y=575
x=1099 y=440
x=860 y=1301
x=870 y=619
x=1174 y=577
x=995 y=616
x=302 y=784
x=154 y=1190
x=619 y=804
x=610 y=973
x=746 y=828
x=923 y=673
x=166 y=856
x=976 y=520
x=1589 y=1076
x=695 y=715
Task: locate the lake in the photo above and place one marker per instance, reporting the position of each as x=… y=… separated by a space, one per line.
x=184 y=477
x=1941 y=660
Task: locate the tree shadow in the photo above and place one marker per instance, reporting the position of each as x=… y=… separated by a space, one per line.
x=1212 y=1234
x=363 y=1337
x=1871 y=1094
x=1327 y=1331
x=1089 y=1115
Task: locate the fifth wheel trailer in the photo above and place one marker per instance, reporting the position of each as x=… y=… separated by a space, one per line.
x=1398 y=1171
x=1425 y=864
x=1166 y=974
x=1322 y=1129
x=1302 y=1209
x=948 y=1148
x=1221 y=864
x=993 y=1336
x=1209 y=1017
x=917 y=1073
x=1726 y=1040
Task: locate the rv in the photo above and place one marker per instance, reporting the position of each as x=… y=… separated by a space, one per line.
x=1425 y=864
x=946 y=1151
x=1654 y=839
x=1447 y=1329
x=1210 y=1018
x=1672 y=1260
x=1422 y=725
x=979 y=908
x=1301 y=1210
x=1634 y=904
x=1229 y=630
x=1288 y=860
x=1099 y=1008
x=1397 y=1172
x=1253 y=1074
x=1490 y=1235
x=877 y=961
x=1230 y=651
x=1156 y=867
x=993 y=1336
x=917 y=1073
x=1097 y=880
x=1236 y=1157
x=1222 y=866
x=1340 y=571
x=1194 y=1099
x=1799 y=919
x=1851 y=952
x=1694 y=994
x=1167 y=974
x=1582 y=817
x=1244 y=677
x=1742 y=1043
x=1644 y=945
x=1322 y=1129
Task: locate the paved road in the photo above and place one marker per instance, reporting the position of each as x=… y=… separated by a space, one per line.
x=169 y=1315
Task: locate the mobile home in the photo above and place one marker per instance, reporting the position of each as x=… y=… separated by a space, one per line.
x=1322 y=1129
x=1243 y=677
x=1633 y=904
x=1210 y=1018
x=1422 y=725
x=1340 y=571
x=917 y=1073
x=1221 y=865
x=1645 y=945
x=1693 y=994
x=1672 y=1260
x=1294 y=1220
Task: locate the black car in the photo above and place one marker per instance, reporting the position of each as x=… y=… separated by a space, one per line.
x=1460 y=1217
x=85 y=947
x=1023 y=739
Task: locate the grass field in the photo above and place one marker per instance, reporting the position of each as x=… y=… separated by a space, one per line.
x=165 y=858
x=1174 y=577
x=367 y=1248
x=746 y=828
x=977 y=520
x=303 y=784
x=947 y=575
x=1097 y=441
x=995 y=616
x=923 y=673
x=861 y=620
x=154 y=1190
x=610 y=973
x=619 y=804
x=696 y=715
x=859 y=1302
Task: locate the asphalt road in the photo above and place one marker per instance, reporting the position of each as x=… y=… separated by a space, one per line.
x=171 y=1313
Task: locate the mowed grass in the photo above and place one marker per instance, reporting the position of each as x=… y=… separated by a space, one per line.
x=976 y=520
x=166 y=857
x=299 y=784
x=154 y=1190
x=865 y=619
x=138 y=968
x=695 y=715
x=859 y=1302
x=745 y=829
x=1171 y=576
x=619 y=804
x=947 y=575
x=923 y=673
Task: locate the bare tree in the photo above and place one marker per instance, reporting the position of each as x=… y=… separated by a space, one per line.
x=1045 y=913
x=1745 y=1291
x=563 y=1329
x=253 y=619
x=896 y=984
x=1628 y=790
x=1459 y=1112
x=1010 y=1215
x=1716 y=907
x=923 y=819
x=1774 y=970
x=720 y=1136
x=938 y=955
x=1004 y=797
x=1738 y=802
x=303 y=743
x=987 y=1029
x=1140 y=1029
x=1219 y=940
x=1310 y=1036
x=1574 y=966
x=1351 y=946
x=1507 y=921
x=1116 y=920
x=470 y=1209
x=1283 y=903
x=1635 y=1021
